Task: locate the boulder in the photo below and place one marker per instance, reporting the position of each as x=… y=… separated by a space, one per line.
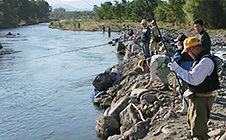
x=106 y=102
x=215 y=133
x=167 y=130
x=135 y=47
x=102 y=82
x=138 y=131
x=120 y=48
x=170 y=114
x=147 y=97
x=1 y=46
x=136 y=93
x=115 y=137
x=119 y=106
x=107 y=126
x=128 y=118
x=223 y=137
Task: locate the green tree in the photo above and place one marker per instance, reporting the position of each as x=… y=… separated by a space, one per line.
x=13 y=11
x=171 y=12
x=117 y=10
x=9 y=12
x=24 y=9
x=43 y=9
x=212 y=12
x=105 y=11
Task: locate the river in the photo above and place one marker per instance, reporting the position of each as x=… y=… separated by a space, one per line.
x=46 y=77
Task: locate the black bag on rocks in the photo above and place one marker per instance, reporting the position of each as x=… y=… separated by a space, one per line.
x=102 y=82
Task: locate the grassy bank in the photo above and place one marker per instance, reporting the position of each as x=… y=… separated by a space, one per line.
x=116 y=25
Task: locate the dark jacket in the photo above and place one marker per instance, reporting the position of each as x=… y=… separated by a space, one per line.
x=211 y=82
x=146 y=35
x=205 y=40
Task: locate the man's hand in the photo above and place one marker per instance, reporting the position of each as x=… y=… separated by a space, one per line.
x=173 y=66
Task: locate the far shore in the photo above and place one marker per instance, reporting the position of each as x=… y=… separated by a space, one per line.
x=117 y=27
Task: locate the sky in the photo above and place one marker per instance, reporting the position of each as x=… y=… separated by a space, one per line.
x=79 y=4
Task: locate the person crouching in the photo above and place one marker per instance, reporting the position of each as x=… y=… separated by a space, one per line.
x=158 y=67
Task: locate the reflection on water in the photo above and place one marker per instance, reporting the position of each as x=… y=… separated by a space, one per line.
x=46 y=77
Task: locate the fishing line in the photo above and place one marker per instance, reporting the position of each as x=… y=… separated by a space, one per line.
x=69 y=51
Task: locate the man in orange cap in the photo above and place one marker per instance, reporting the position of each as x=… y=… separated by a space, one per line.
x=145 y=38
x=202 y=79
x=158 y=67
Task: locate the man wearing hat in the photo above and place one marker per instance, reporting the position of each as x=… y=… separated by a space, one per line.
x=154 y=36
x=145 y=38
x=202 y=79
x=185 y=61
x=158 y=66
x=130 y=32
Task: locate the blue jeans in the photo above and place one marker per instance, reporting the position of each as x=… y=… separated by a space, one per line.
x=146 y=51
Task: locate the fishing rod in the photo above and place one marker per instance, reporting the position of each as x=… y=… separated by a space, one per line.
x=167 y=52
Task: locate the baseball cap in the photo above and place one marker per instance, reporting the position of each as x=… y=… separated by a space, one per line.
x=141 y=64
x=143 y=21
x=190 y=42
x=180 y=38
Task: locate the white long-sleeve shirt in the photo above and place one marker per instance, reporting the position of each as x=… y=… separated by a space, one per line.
x=198 y=74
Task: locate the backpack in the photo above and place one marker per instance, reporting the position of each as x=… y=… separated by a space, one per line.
x=217 y=60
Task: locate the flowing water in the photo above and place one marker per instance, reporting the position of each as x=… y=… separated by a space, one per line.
x=45 y=86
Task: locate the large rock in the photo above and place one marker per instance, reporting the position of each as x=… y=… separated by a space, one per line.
x=136 y=93
x=215 y=133
x=107 y=126
x=128 y=118
x=102 y=82
x=138 y=131
x=115 y=137
x=119 y=106
x=120 y=48
x=136 y=47
x=147 y=97
x=1 y=46
x=223 y=137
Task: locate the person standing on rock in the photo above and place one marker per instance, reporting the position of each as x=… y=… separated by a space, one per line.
x=202 y=80
x=158 y=66
x=145 y=38
x=185 y=61
x=130 y=32
x=203 y=35
x=155 y=35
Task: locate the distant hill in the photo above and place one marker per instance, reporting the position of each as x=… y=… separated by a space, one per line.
x=68 y=7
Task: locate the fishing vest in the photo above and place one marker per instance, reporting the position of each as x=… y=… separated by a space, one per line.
x=210 y=83
x=145 y=36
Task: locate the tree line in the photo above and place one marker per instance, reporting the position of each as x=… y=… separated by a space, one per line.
x=15 y=12
x=178 y=12
x=61 y=13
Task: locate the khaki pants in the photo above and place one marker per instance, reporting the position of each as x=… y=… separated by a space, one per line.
x=198 y=116
x=162 y=74
x=153 y=47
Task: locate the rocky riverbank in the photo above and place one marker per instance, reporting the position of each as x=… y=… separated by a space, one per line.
x=132 y=112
